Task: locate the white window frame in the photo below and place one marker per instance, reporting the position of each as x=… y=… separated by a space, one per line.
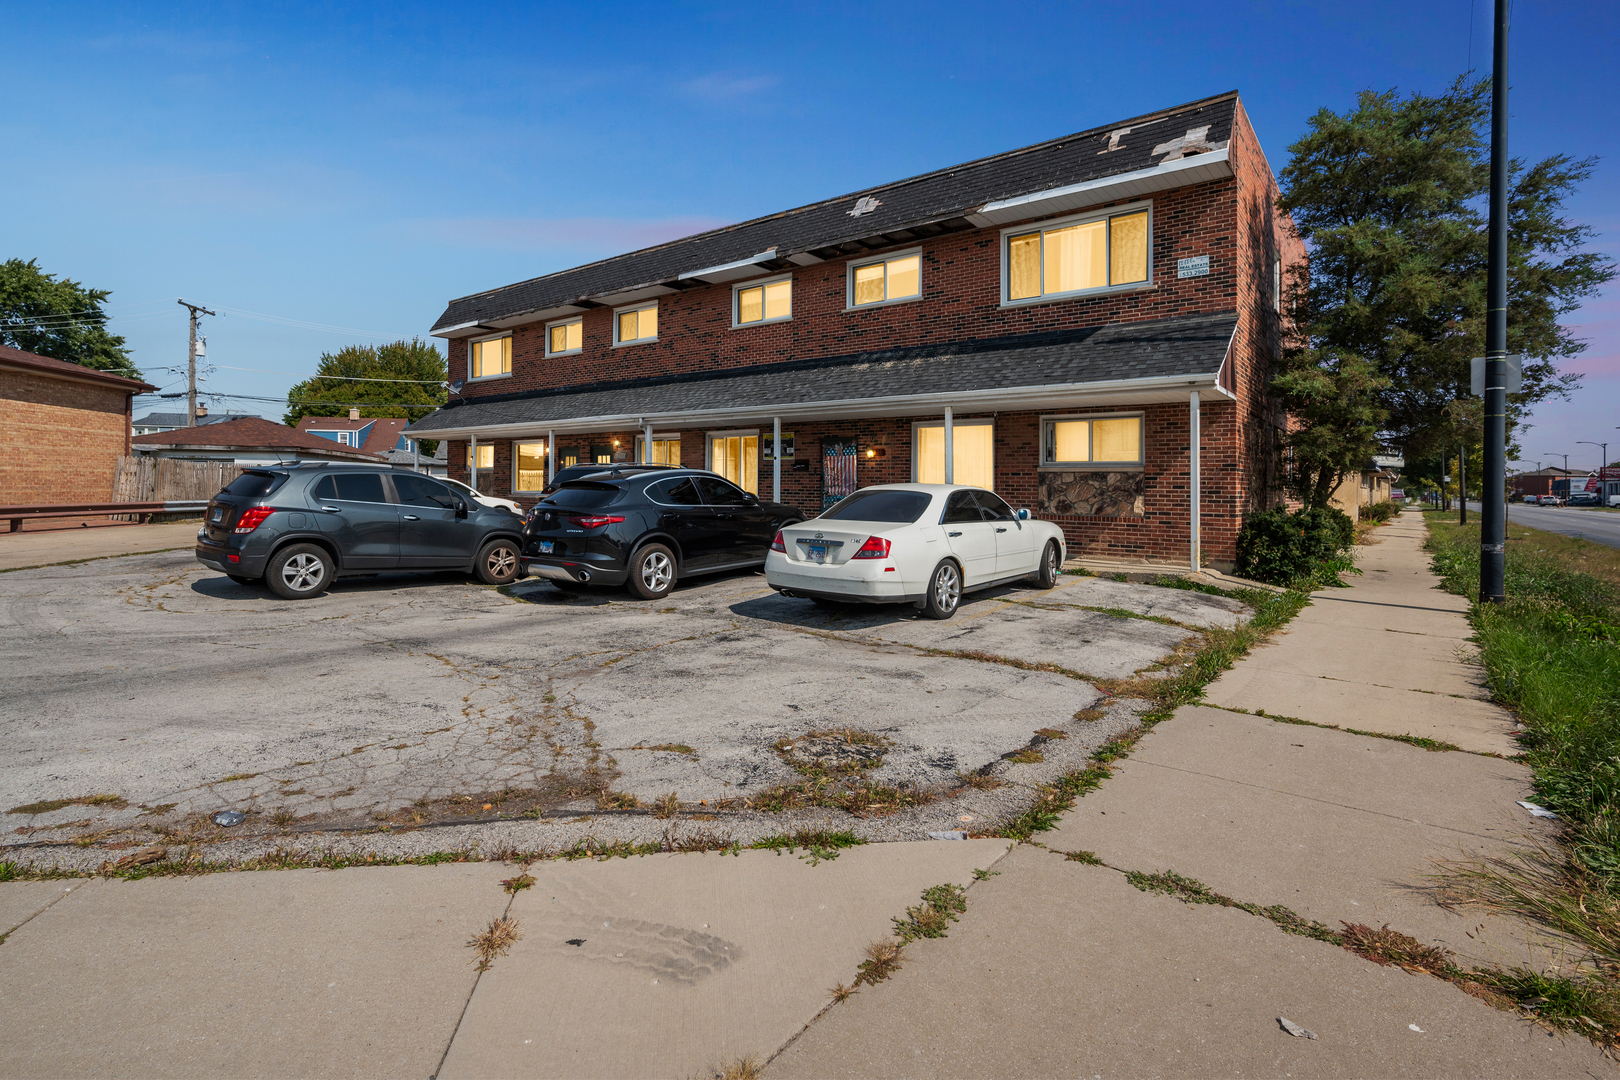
x=989 y=422
x=651 y=304
x=708 y=449
x=855 y=264
x=527 y=442
x=565 y=322
x=760 y=283
x=1062 y=223
x=1094 y=466
x=471 y=342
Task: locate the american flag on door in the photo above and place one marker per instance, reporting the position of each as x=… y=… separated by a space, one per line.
x=837 y=470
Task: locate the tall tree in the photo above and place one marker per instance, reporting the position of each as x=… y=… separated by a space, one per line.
x=339 y=380
x=56 y=317
x=1389 y=200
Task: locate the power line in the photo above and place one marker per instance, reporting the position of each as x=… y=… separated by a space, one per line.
x=346 y=378
x=301 y=324
x=313 y=401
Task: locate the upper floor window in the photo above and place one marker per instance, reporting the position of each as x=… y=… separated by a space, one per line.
x=632 y=325
x=490 y=358
x=565 y=337
x=887 y=280
x=1091 y=442
x=768 y=301
x=1061 y=258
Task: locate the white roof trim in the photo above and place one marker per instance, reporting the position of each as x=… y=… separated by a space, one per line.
x=730 y=271
x=1170 y=174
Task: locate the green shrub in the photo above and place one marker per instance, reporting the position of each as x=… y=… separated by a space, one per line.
x=1279 y=547
x=1380 y=511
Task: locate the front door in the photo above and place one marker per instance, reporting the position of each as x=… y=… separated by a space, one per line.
x=356 y=513
x=1015 y=540
x=972 y=538
x=431 y=534
x=837 y=470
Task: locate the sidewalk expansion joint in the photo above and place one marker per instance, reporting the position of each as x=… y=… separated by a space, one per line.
x=1419 y=741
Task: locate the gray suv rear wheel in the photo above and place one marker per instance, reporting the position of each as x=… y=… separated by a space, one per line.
x=299 y=571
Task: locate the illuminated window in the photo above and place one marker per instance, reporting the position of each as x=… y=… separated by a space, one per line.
x=769 y=301
x=666 y=449
x=490 y=359
x=565 y=337
x=1059 y=260
x=973 y=453
x=735 y=456
x=484 y=458
x=888 y=280
x=1099 y=442
x=631 y=325
x=529 y=464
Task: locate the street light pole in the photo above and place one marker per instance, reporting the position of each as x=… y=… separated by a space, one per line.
x=1492 y=496
x=1603 y=463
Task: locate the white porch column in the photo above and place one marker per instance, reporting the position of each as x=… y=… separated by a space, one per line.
x=776 y=459
x=472 y=463
x=950 y=448
x=551 y=455
x=646 y=445
x=1194 y=481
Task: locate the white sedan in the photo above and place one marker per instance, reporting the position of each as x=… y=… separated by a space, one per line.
x=486 y=500
x=922 y=544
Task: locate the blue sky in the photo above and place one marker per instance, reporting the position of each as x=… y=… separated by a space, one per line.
x=346 y=169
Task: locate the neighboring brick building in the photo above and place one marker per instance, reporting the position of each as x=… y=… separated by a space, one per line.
x=1064 y=316
x=62 y=429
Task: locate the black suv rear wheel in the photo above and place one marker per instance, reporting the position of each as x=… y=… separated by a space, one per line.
x=652 y=572
x=299 y=571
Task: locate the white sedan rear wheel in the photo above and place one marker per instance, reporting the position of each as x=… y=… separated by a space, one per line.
x=944 y=591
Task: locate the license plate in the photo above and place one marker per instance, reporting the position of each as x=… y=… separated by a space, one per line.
x=546 y=546
x=219 y=514
x=817 y=552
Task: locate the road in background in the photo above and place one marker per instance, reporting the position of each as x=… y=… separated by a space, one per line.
x=1598 y=526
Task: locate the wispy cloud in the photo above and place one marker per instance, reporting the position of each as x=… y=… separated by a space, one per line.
x=725 y=88
x=605 y=235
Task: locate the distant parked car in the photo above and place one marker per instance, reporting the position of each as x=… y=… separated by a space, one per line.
x=1584 y=498
x=487 y=500
x=648 y=529
x=1551 y=500
x=923 y=544
x=299 y=525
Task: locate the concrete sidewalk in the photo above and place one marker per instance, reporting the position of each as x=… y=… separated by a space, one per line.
x=1060 y=968
x=48 y=547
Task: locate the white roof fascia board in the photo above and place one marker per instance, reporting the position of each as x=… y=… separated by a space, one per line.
x=631 y=296
x=804 y=258
x=731 y=271
x=1171 y=174
x=465 y=329
x=1157 y=390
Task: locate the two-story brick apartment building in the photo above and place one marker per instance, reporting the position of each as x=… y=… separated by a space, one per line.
x=1072 y=320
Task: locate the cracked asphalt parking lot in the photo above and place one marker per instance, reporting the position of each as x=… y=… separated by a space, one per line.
x=529 y=717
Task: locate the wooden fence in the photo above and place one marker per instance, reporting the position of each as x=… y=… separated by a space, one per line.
x=141 y=478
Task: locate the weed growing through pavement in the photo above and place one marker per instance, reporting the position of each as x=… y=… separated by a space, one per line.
x=1026 y=756
x=667 y=805
x=985 y=875
x=46 y=806
x=882 y=961
x=515 y=885
x=834 y=777
x=1088 y=857
x=930 y=919
x=980 y=781
x=495 y=941
x=841 y=993
x=818 y=844
x=741 y=1069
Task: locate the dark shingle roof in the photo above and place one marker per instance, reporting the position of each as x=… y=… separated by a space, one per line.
x=178 y=419
x=248 y=433
x=1189 y=346
x=905 y=210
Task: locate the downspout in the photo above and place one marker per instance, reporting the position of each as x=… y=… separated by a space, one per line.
x=1194 y=482
x=551 y=456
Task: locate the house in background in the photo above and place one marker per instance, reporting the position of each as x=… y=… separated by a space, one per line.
x=373 y=435
x=436 y=464
x=1373 y=484
x=1538 y=482
x=1085 y=326
x=65 y=428
x=248 y=441
x=152 y=423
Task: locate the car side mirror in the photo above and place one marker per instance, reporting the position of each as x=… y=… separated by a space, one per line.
x=1023 y=515
x=461 y=508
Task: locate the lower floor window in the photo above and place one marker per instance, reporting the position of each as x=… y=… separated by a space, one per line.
x=666 y=450
x=736 y=457
x=567 y=456
x=1105 y=441
x=973 y=453
x=481 y=456
x=529 y=459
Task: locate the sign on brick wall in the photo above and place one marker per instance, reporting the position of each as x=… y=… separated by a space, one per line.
x=1197 y=266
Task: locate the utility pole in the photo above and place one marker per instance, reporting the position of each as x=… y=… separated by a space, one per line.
x=1493 y=527
x=191 y=362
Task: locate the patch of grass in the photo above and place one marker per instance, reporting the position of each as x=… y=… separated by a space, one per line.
x=933 y=917
x=283 y=818
x=850 y=735
x=841 y=993
x=1088 y=857
x=515 y=885
x=985 y=875
x=1190 y=891
x=980 y=781
x=1026 y=756
x=1168 y=581
x=46 y=806
x=8 y=870
x=669 y=747
x=1052 y=733
x=496 y=940
x=616 y=800
x=667 y=805
x=163 y=808
x=1386 y=946
x=883 y=959
x=1089 y=716
x=741 y=1069
x=818 y=844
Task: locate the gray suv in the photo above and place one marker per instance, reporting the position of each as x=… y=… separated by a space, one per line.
x=299 y=525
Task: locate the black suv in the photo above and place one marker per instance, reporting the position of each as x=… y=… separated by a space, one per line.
x=300 y=524
x=647 y=529
x=580 y=472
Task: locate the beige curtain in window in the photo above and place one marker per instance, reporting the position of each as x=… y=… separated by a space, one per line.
x=736 y=457
x=973 y=453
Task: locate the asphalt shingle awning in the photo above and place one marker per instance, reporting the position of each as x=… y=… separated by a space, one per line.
x=1120 y=363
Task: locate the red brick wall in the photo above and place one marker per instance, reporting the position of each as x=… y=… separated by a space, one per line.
x=961 y=300
x=1161 y=534
x=59 y=440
